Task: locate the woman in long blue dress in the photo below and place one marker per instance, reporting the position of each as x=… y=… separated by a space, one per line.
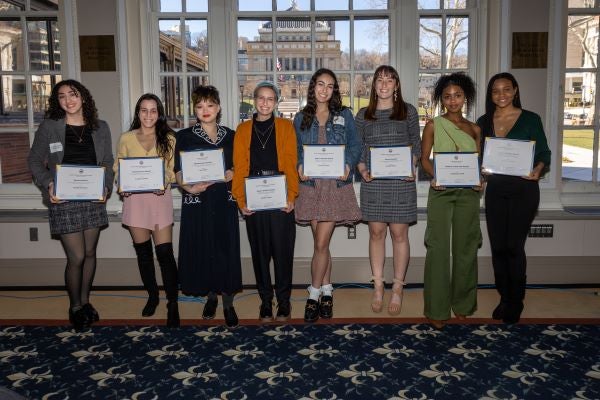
x=209 y=239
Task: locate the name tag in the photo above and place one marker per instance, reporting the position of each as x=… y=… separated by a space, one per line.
x=339 y=120
x=56 y=147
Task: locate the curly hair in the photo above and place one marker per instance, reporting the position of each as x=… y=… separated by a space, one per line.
x=310 y=109
x=164 y=133
x=490 y=107
x=88 y=106
x=459 y=79
x=206 y=93
x=399 y=112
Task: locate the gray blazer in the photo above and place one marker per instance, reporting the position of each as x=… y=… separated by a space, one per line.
x=46 y=152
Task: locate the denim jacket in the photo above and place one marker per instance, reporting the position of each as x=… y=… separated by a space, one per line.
x=340 y=129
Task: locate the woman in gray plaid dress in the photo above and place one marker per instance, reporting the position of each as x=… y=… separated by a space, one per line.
x=388 y=121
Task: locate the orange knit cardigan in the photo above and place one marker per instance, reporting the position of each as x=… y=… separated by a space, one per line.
x=287 y=156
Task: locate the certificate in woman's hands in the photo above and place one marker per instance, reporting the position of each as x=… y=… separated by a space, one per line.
x=508 y=156
x=266 y=192
x=202 y=166
x=391 y=162
x=324 y=160
x=456 y=169
x=79 y=182
x=141 y=174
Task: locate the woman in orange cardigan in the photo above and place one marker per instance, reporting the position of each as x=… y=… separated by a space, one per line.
x=263 y=146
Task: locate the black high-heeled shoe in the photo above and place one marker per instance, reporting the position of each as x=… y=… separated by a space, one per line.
x=150 y=306
x=91 y=313
x=78 y=319
x=173 y=315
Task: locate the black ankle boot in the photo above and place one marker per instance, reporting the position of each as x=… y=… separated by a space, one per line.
x=173 y=315
x=91 y=313
x=78 y=319
x=145 y=259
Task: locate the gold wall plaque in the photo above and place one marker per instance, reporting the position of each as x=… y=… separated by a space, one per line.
x=530 y=50
x=97 y=53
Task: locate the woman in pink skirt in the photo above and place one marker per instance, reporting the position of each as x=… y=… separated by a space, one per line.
x=149 y=216
x=325 y=202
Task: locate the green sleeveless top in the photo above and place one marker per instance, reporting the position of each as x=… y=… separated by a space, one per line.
x=447 y=137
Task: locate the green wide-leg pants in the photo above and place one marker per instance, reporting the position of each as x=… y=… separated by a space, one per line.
x=452 y=238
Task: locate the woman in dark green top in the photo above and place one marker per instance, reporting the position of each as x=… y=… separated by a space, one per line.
x=511 y=202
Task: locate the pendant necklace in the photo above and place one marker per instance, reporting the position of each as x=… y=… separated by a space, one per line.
x=260 y=133
x=79 y=136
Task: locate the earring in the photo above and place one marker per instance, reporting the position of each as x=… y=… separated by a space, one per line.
x=395 y=95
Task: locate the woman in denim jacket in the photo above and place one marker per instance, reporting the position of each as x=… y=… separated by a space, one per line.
x=326 y=202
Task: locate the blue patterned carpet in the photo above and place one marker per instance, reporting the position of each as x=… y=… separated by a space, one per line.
x=360 y=361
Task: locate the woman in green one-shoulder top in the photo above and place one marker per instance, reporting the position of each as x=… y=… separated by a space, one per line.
x=453 y=235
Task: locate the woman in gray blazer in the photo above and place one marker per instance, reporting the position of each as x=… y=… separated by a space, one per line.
x=71 y=133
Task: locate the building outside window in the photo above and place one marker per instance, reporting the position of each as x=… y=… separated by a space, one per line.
x=297 y=37
x=30 y=65
x=580 y=125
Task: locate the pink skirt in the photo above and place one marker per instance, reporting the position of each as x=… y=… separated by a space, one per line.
x=148 y=210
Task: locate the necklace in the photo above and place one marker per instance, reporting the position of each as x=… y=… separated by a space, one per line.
x=260 y=133
x=79 y=136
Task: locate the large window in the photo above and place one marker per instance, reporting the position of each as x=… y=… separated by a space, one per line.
x=29 y=66
x=183 y=49
x=443 y=46
x=580 y=125
x=287 y=41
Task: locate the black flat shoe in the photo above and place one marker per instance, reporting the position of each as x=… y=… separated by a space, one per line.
x=283 y=312
x=231 y=318
x=150 y=307
x=173 y=315
x=499 y=311
x=79 y=320
x=311 y=311
x=266 y=312
x=210 y=308
x=91 y=313
x=326 y=307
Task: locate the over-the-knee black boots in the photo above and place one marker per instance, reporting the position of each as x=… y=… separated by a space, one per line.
x=145 y=259
x=168 y=269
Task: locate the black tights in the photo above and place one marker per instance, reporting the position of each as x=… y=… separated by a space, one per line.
x=80 y=248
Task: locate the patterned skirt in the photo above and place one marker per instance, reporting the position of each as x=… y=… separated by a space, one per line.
x=76 y=216
x=327 y=202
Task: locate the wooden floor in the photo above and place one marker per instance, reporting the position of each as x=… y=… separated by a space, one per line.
x=349 y=303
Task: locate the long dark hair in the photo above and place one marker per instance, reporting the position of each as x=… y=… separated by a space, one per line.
x=459 y=79
x=88 y=106
x=164 y=133
x=399 y=112
x=310 y=109
x=206 y=93
x=490 y=107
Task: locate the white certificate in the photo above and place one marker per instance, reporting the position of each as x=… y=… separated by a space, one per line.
x=202 y=166
x=391 y=162
x=324 y=160
x=456 y=169
x=266 y=192
x=508 y=156
x=79 y=182
x=141 y=174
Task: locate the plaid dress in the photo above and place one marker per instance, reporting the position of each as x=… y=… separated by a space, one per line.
x=388 y=200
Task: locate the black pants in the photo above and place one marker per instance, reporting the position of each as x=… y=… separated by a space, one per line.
x=272 y=234
x=511 y=204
